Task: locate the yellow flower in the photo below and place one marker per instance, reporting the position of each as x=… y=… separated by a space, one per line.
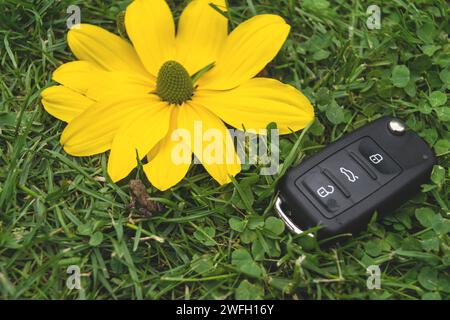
x=129 y=98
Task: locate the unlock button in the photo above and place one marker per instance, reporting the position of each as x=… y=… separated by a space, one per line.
x=323 y=192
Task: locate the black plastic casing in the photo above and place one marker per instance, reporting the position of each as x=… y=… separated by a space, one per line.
x=408 y=150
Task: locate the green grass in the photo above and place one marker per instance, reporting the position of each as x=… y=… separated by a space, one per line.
x=224 y=242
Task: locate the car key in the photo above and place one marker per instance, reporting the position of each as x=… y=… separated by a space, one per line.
x=374 y=168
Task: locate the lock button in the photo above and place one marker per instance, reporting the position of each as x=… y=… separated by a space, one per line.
x=320 y=189
x=377 y=158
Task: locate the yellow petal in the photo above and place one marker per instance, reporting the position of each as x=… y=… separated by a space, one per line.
x=93 y=131
x=79 y=75
x=202 y=31
x=164 y=170
x=64 y=103
x=211 y=142
x=150 y=26
x=248 y=49
x=258 y=102
x=137 y=137
x=104 y=49
x=88 y=79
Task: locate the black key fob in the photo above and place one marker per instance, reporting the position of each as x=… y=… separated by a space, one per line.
x=375 y=168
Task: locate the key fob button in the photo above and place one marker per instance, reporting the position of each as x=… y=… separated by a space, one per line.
x=349 y=176
x=377 y=158
x=320 y=189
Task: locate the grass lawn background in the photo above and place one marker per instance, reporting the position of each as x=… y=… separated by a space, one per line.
x=225 y=242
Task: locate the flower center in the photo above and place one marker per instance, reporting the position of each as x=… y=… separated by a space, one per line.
x=173 y=84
